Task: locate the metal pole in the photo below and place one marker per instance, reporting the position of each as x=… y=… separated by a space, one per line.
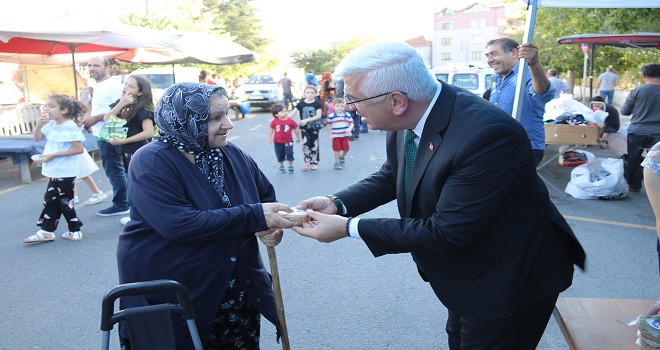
x=72 y=48
x=591 y=73
x=584 y=78
x=522 y=66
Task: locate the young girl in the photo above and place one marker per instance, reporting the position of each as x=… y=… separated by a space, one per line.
x=309 y=110
x=137 y=107
x=59 y=162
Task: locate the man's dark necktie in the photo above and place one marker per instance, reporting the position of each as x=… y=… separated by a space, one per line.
x=410 y=150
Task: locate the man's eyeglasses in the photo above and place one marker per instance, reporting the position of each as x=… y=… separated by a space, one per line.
x=347 y=100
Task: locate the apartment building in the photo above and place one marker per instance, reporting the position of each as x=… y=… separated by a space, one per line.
x=460 y=35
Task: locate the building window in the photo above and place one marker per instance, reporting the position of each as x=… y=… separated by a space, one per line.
x=477 y=55
x=478 y=23
x=446 y=25
x=478 y=8
x=446 y=41
x=445 y=56
x=478 y=39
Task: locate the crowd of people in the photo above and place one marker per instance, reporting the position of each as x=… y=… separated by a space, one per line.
x=199 y=205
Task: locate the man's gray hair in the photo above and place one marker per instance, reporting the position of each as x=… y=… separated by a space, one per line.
x=387 y=67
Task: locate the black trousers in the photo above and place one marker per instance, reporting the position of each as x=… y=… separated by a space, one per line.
x=521 y=331
x=58 y=201
x=538 y=156
x=636 y=145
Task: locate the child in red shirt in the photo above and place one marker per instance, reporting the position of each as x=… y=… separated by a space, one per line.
x=280 y=135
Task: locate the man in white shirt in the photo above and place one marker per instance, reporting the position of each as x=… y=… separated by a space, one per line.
x=606 y=83
x=106 y=91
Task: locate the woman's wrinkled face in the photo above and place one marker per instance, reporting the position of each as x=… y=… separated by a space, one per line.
x=219 y=123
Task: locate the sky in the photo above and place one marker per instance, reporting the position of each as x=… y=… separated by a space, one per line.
x=292 y=25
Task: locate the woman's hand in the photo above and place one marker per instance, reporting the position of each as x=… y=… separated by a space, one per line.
x=270 y=237
x=115 y=142
x=275 y=220
x=654 y=310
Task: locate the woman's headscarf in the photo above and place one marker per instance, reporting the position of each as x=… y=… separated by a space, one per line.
x=182 y=116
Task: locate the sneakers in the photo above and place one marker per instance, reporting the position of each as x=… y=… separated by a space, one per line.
x=290 y=169
x=282 y=171
x=96 y=198
x=76 y=200
x=306 y=166
x=338 y=166
x=313 y=167
x=342 y=161
x=125 y=220
x=113 y=211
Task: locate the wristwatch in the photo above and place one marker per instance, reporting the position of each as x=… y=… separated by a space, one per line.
x=338 y=203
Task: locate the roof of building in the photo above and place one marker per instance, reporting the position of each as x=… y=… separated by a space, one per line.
x=419 y=41
x=459 y=7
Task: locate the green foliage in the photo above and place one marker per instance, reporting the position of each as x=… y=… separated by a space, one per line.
x=232 y=18
x=321 y=61
x=553 y=23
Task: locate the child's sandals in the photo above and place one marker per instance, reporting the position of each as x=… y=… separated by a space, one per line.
x=72 y=236
x=40 y=236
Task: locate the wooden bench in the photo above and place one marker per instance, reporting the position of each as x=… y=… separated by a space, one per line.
x=590 y=324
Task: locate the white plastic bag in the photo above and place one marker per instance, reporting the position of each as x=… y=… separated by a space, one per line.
x=600 y=178
x=565 y=103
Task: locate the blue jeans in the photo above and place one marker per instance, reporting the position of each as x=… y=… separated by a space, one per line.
x=609 y=94
x=636 y=145
x=114 y=170
x=287 y=99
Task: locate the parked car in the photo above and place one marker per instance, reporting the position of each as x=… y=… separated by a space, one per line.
x=476 y=80
x=261 y=90
x=164 y=77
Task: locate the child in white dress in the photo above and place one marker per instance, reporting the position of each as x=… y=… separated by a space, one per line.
x=60 y=161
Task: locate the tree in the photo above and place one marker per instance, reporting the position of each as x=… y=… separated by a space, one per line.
x=326 y=60
x=553 y=23
x=232 y=18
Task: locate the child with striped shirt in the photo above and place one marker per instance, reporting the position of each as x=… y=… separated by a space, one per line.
x=341 y=125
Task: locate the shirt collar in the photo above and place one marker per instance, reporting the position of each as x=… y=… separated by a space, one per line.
x=419 y=128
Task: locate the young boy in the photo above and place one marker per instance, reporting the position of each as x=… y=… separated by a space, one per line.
x=280 y=135
x=341 y=125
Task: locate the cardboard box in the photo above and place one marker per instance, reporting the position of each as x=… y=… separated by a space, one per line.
x=572 y=134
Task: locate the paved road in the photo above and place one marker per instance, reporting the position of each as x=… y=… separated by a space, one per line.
x=337 y=296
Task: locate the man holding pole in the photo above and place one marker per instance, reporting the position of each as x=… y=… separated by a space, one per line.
x=503 y=56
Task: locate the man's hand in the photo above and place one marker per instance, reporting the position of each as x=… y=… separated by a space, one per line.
x=270 y=237
x=275 y=220
x=654 y=310
x=320 y=204
x=322 y=227
x=530 y=53
x=91 y=121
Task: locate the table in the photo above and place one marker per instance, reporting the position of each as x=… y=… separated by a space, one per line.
x=21 y=147
x=590 y=324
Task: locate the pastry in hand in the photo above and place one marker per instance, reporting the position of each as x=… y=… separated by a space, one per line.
x=296 y=215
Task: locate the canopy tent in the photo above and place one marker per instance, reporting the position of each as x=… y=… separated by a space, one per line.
x=192 y=47
x=531 y=19
x=637 y=41
x=49 y=41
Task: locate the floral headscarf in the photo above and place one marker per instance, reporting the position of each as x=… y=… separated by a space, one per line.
x=182 y=116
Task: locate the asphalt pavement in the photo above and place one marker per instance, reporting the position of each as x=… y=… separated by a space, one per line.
x=336 y=296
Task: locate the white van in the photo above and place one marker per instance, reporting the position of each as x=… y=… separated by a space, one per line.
x=163 y=77
x=475 y=79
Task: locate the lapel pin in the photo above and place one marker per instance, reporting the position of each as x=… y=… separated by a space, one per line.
x=431 y=147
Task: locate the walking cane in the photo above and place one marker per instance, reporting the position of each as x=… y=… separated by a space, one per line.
x=272 y=256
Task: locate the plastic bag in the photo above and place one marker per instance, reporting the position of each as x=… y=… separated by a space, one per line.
x=601 y=178
x=113 y=129
x=565 y=103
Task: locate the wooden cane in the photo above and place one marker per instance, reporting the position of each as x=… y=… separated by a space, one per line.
x=272 y=256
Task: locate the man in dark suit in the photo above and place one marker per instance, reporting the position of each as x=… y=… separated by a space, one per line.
x=474 y=214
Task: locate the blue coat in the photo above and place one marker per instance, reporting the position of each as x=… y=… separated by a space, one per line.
x=178 y=231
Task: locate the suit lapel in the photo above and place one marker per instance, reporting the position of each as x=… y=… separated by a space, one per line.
x=430 y=140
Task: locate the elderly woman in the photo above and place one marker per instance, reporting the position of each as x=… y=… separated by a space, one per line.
x=198 y=204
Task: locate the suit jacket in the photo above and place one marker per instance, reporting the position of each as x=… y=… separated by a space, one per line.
x=477 y=218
